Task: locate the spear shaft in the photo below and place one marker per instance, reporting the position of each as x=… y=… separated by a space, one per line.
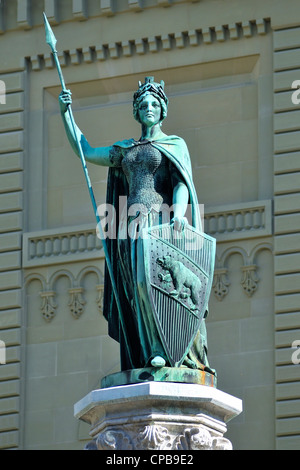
x=51 y=40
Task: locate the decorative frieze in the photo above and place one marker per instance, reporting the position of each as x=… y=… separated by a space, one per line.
x=152 y=44
x=74 y=244
x=48 y=294
x=221 y=283
x=249 y=268
x=225 y=223
x=61 y=246
x=239 y=221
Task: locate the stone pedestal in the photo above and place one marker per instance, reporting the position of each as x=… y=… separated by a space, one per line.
x=158 y=416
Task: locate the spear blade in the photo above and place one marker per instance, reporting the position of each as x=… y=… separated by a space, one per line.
x=50 y=38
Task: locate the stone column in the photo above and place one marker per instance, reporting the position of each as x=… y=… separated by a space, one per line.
x=158 y=416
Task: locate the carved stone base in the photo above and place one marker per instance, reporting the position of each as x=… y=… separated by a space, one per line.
x=158 y=416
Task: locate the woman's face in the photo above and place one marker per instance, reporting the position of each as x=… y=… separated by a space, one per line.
x=149 y=110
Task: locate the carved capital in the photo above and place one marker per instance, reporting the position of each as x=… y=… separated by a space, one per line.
x=164 y=436
x=221 y=443
x=221 y=283
x=100 y=297
x=48 y=305
x=153 y=437
x=249 y=279
x=114 y=439
x=196 y=438
x=77 y=302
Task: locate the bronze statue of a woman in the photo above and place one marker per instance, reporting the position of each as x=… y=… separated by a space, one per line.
x=153 y=173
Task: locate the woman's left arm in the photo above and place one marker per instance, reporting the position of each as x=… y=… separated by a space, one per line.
x=180 y=200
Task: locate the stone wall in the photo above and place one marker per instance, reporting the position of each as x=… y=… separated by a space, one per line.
x=12 y=117
x=286 y=234
x=228 y=72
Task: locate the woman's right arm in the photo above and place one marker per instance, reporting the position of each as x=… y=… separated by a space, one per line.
x=99 y=155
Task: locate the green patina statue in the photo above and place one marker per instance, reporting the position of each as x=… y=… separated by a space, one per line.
x=162 y=262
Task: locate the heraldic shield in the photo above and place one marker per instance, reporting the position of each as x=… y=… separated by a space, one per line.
x=175 y=281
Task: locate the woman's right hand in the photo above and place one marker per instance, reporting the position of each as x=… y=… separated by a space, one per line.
x=65 y=100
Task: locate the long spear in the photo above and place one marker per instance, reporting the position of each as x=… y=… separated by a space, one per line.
x=51 y=40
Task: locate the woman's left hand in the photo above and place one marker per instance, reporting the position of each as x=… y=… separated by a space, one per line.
x=179 y=223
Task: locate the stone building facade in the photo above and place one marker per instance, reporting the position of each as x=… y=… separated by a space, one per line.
x=229 y=69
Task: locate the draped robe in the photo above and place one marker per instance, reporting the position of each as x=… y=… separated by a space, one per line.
x=132 y=350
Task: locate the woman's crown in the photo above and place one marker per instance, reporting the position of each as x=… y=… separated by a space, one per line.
x=150 y=86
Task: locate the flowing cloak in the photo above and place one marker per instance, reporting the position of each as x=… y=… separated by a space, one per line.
x=175 y=149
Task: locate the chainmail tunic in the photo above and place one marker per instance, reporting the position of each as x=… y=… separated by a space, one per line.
x=148 y=175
